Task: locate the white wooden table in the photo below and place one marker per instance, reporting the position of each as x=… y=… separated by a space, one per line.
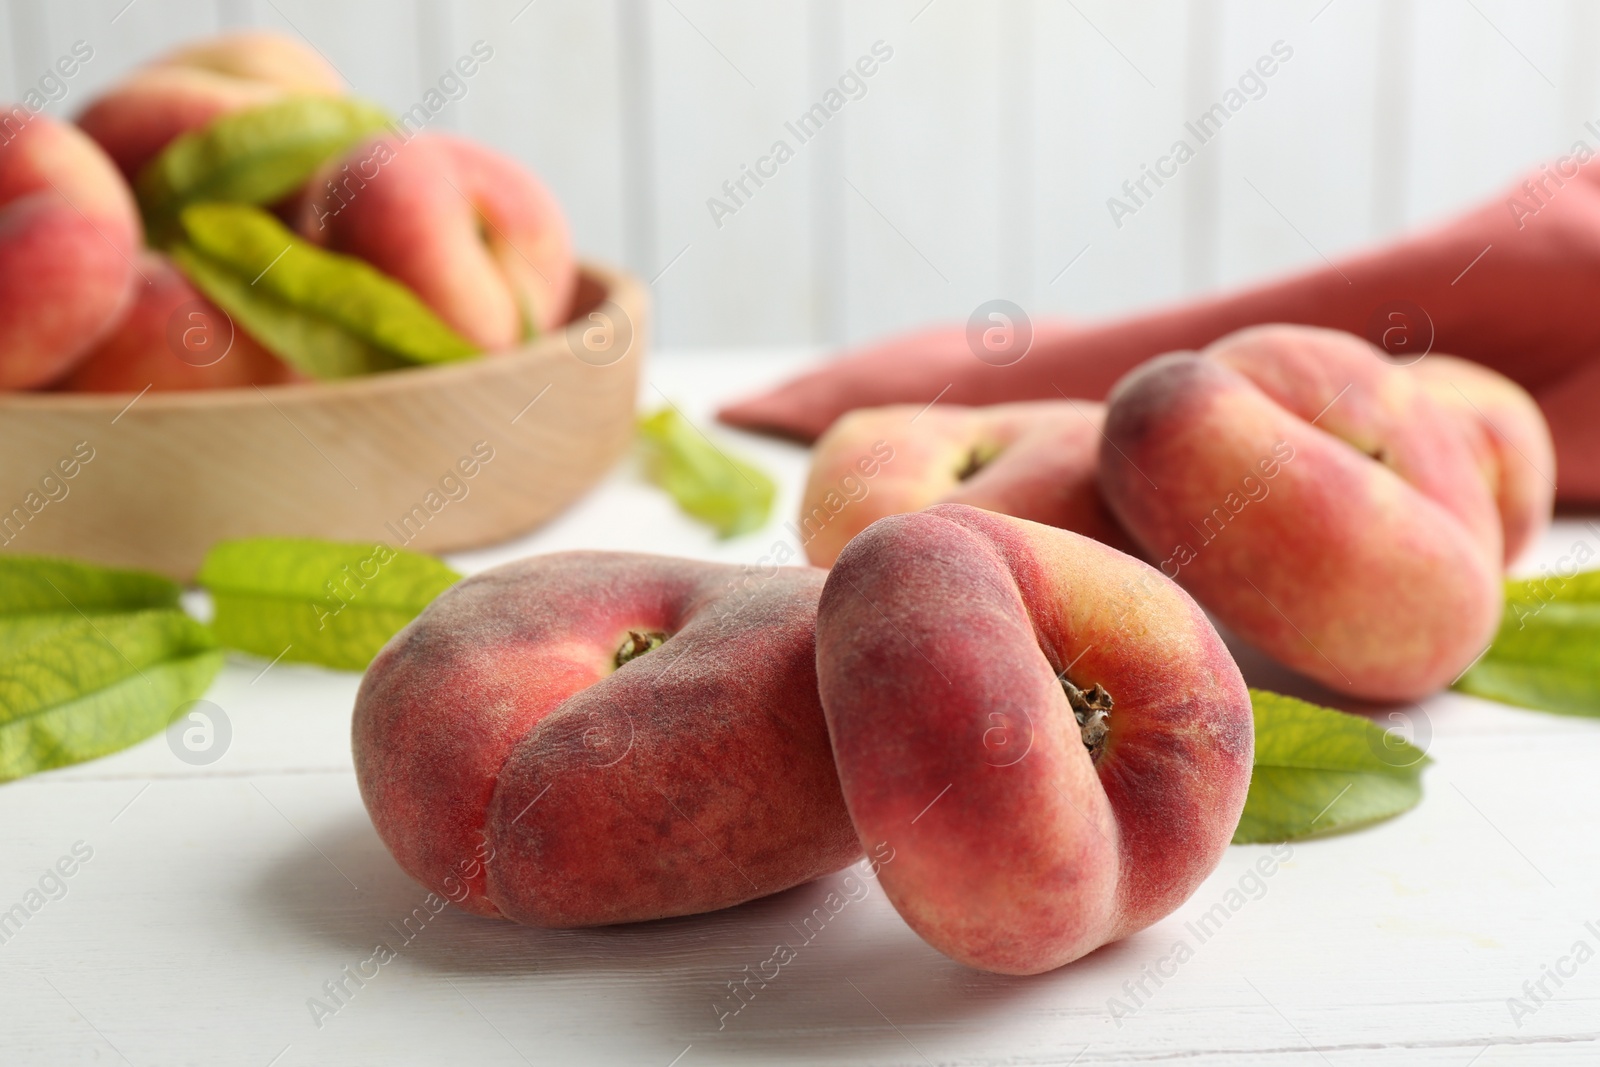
x=219 y=899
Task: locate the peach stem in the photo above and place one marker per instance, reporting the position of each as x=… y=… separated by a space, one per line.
x=1092 y=710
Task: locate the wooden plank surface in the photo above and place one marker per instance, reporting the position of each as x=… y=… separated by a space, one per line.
x=219 y=899
x=979 y=162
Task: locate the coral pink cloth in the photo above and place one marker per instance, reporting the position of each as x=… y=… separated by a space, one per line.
x=1513 y=284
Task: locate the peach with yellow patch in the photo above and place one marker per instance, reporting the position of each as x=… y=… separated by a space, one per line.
x=190 y=88
x=1034 y=460
x=1510 y=437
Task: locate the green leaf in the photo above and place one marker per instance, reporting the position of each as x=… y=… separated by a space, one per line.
x=312 y=344
x=256 y=156
x=1527 y=594
x=328 y=314
x=39 y=585
x=1545 y=653
x=327 y=602
x=718 y=489
x=74 y=687
x=1318 y=771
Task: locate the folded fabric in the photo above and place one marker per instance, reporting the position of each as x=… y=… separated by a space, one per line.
x=1513 y=284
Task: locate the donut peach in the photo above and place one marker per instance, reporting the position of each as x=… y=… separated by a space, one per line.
x=589 y=738
x=1048 y=733
x=1035 y=460
x=473 y=233
x=1318 y=500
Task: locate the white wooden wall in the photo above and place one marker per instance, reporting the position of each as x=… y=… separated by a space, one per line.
x=979 y=162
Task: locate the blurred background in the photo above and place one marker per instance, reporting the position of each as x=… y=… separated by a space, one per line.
x=975 y=161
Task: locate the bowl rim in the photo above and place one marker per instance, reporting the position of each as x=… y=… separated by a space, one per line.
x=617 y=286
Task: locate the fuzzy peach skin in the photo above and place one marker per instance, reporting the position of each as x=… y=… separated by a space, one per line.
x=943 y=638
x=1034 y=460
x=69 y=231
x=511 y=766
x=187 y=89
x=1510 y=437
x=473 y=233
x=174 y=338
x=1317 y=500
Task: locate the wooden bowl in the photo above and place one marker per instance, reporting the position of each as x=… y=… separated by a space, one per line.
x=429 y=458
